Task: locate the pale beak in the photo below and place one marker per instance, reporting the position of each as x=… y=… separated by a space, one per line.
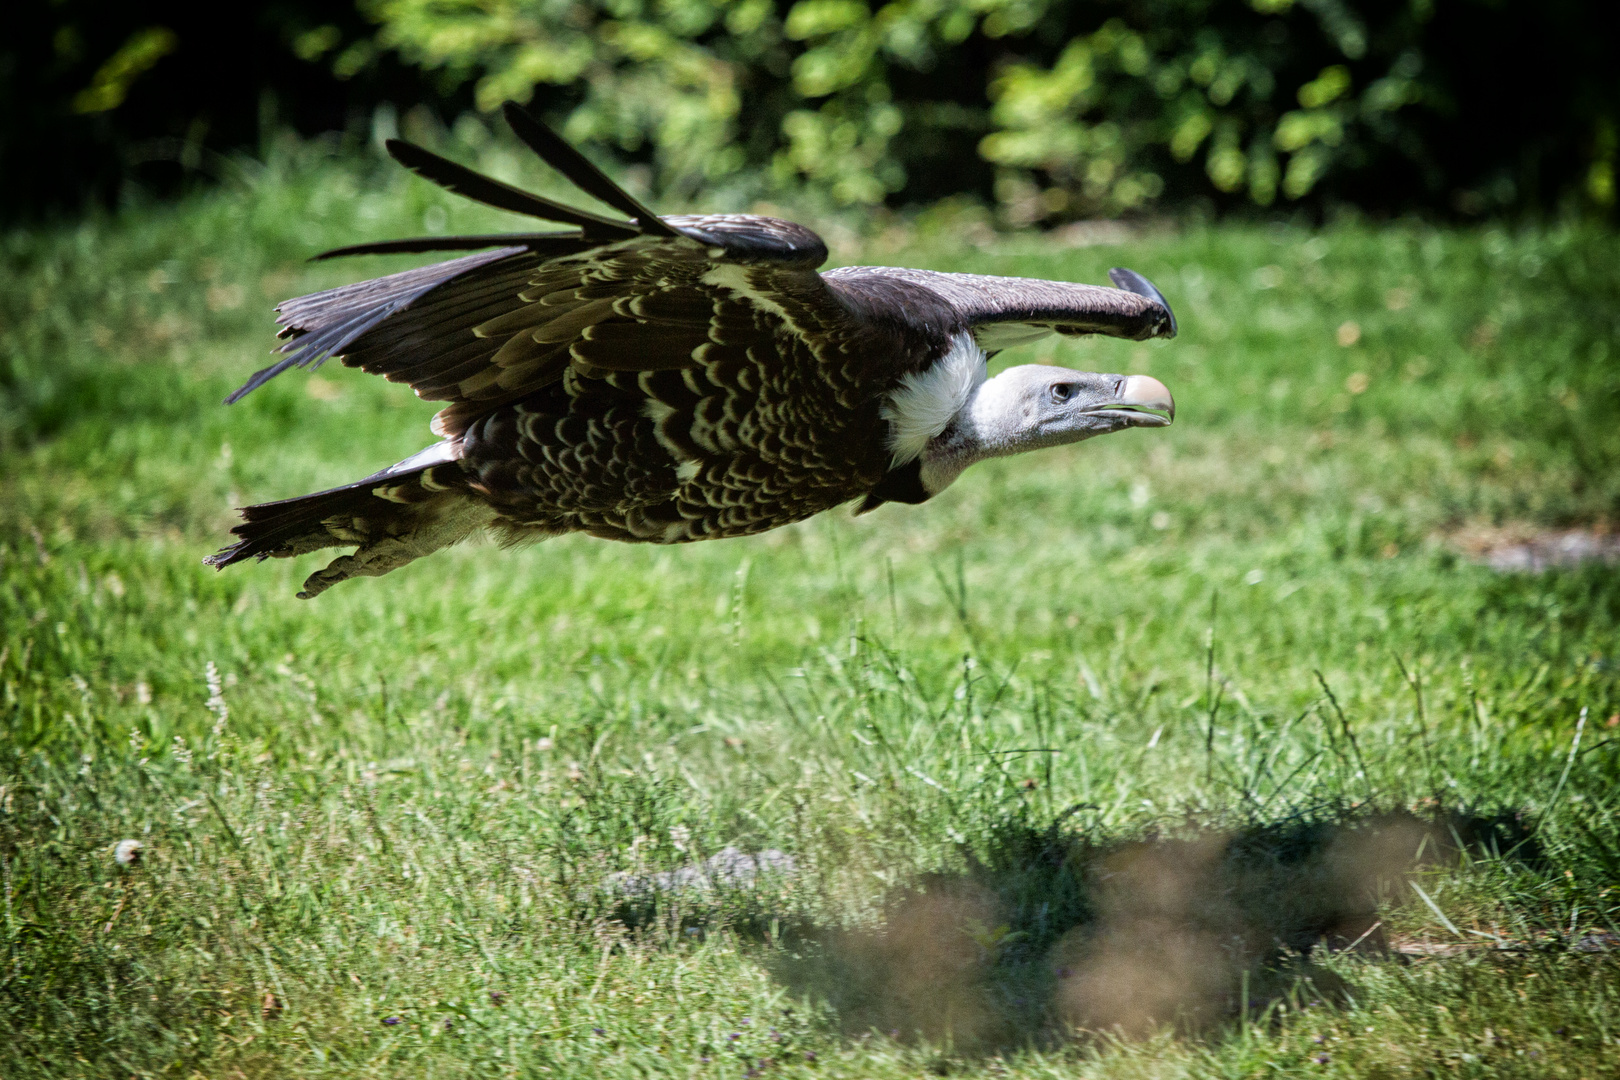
x=1146 y=392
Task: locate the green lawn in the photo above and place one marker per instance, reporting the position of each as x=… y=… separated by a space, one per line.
x=1090 y=767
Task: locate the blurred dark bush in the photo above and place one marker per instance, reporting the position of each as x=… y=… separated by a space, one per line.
x=98 y=96
x=1054 y=110
x=1065 y=109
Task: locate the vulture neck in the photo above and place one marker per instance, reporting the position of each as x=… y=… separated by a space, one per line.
x=989 y=424
x=950 y=415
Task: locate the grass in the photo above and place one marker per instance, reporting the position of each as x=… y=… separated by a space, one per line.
x=1093 y=766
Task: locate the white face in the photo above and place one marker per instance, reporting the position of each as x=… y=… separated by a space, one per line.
x=1034 y=406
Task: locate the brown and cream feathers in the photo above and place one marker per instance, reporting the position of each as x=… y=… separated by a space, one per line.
x=643 y=378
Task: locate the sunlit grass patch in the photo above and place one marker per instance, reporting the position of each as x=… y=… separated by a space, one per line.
x=1066 y=762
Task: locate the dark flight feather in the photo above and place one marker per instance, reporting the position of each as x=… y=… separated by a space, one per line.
x=1131 y=281
x=463 y=181
x=325 y=323
x=579 y=169
x=559 y=242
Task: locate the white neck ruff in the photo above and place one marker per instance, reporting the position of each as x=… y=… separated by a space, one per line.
x=925 y=402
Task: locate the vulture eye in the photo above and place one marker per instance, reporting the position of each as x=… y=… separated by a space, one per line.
x=1063 y=391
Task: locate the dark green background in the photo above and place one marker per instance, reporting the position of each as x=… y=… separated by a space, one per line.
x=1518 y=99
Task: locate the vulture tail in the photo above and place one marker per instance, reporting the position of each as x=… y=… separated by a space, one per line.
x=391 y=518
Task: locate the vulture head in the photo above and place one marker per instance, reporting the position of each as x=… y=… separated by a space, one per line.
x=1035 y=406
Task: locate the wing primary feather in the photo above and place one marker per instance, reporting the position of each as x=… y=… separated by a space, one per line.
x=566 y=159
x=1131 y=281
x=260 y=377
x=308 y=313
x=326 y=323
x=316 y=348
x=532 y=241
x=463 y=181
x=468 y=292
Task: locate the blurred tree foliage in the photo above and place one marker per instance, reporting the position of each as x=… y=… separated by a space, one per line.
x=96 y=96
x=1053 y=109
x=1063 y=109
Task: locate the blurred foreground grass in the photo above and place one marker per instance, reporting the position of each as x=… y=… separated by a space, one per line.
x=1137 y=733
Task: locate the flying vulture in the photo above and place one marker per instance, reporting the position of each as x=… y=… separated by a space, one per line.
x=668 y=379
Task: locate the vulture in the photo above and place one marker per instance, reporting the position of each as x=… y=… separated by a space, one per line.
x=670 y=379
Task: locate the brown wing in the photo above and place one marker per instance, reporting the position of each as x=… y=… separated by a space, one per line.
x=492 y=328
x=629 y=293
x=1005 y=311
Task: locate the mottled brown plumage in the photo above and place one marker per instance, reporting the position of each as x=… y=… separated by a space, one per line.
x=646 y=379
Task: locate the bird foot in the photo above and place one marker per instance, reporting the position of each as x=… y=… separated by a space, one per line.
x=451 y=526
x=373 y=561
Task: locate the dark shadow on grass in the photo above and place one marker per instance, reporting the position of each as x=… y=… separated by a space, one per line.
x=1048 y=934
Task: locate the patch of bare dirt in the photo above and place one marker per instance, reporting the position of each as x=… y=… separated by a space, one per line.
x=1414 y=949
x=1527 y=549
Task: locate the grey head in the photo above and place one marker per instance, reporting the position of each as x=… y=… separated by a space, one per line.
x=1034 y=406
x=951 y=414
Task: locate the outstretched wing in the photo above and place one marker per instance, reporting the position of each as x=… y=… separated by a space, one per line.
x=637 y=294
x=1004 y=312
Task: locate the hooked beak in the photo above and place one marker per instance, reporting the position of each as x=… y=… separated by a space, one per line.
x=1143 y=398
